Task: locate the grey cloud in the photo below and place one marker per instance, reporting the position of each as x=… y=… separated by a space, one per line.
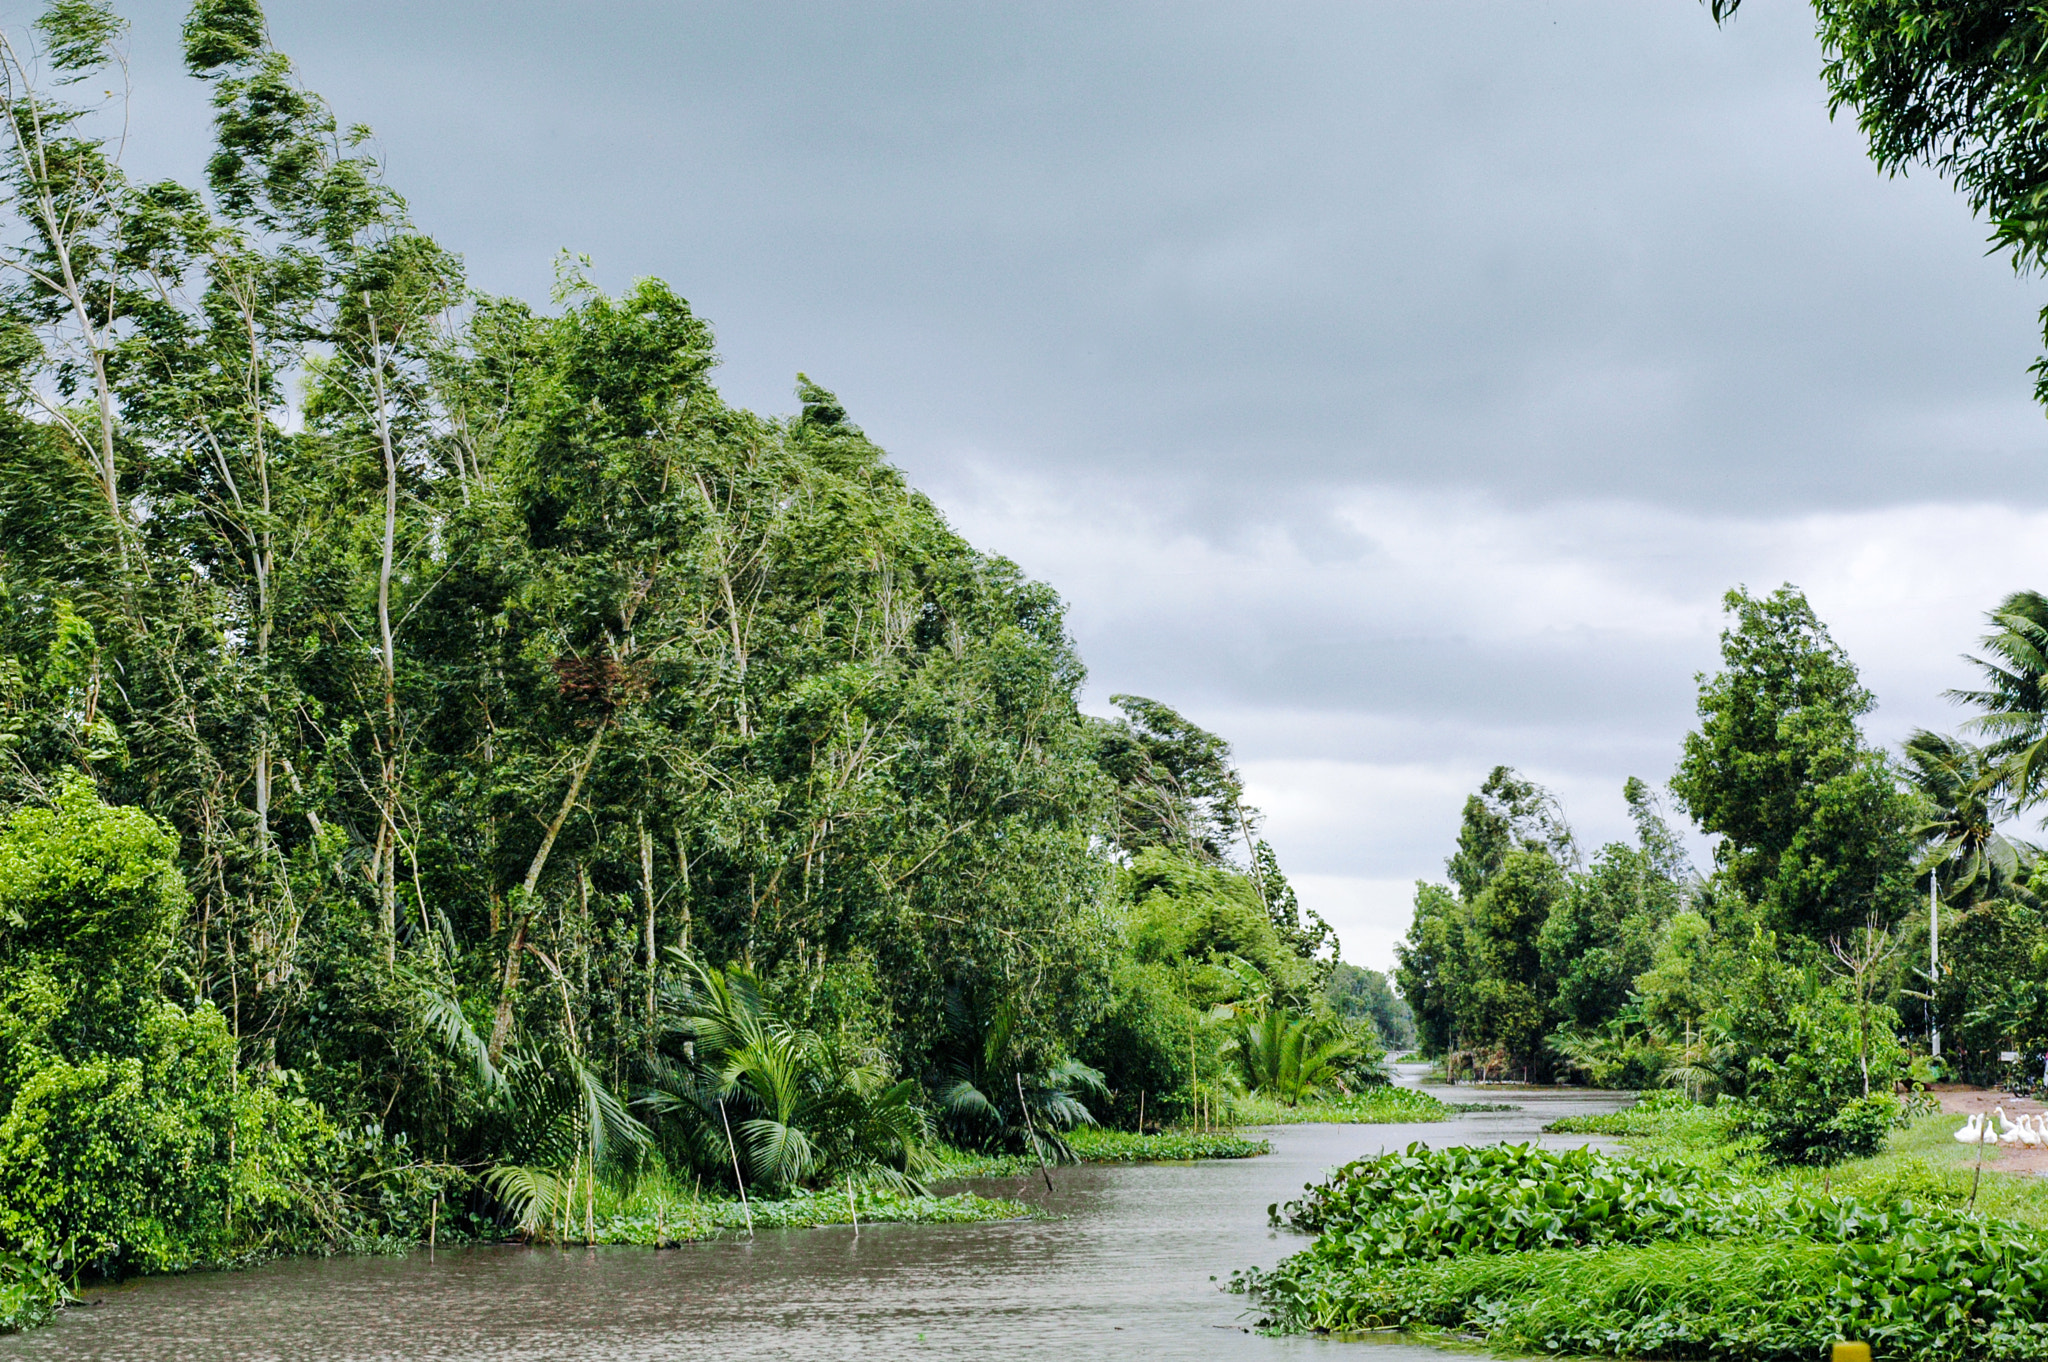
x=1144 y=294
x=1552 y=250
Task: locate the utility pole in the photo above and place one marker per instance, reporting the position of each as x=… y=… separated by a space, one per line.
x=1933 y=959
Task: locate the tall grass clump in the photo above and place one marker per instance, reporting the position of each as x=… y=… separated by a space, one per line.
x=1589 y=1254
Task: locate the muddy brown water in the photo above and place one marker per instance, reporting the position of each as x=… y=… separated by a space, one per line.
x=1125 y=1271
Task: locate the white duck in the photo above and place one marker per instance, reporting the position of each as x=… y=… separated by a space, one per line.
x=2030 y=1131
x=1972 y=1131
x=2008 y=1133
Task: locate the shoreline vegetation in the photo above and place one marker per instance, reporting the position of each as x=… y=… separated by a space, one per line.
x=659 y=1211
x=1688 y=1244
x=461 y=776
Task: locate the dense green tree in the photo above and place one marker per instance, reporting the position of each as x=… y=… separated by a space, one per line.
x=1354 y=991
x=1176 y=787
x=1472 y=967
x=1603 y=931
x=1434 y=966
x=1509 y=812
x=1990 y=951
x=1509 y=1002
x=1206 y=922
x=1814 y=828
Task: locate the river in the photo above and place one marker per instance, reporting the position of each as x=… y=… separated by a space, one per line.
x=1128 y=1269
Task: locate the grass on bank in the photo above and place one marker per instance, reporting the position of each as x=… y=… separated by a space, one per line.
x=1178 y=1144
x=1687 y=1246
x=1921 y=1162
x=1370 y=1106
x=659 y=1208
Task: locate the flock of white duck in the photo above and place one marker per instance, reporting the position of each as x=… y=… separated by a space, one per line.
x=2031 y=1131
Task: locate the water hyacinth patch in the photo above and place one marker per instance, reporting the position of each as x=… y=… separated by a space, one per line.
x=1097 y=1145
x=1583 y=1253
x=29 y=1293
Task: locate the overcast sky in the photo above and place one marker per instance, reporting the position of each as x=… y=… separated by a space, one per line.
x=1394 y=387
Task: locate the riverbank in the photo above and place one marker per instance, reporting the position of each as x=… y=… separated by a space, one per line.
x=1389 y=1105
x=1119 y=1262
x=668 y=1224
x=1684 y=1244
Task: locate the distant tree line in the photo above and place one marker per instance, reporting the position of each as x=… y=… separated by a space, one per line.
x=1632 y=968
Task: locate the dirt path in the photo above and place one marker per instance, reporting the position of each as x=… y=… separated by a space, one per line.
x=2006 y=1158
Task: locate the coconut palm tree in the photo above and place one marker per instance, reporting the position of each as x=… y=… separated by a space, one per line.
x=1966 y=788
x=2014 y=698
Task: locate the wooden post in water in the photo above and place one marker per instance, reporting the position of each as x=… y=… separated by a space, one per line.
x=1141 y=1113
x=737 y=1176
x=852 y=1209
x=1030 y=1133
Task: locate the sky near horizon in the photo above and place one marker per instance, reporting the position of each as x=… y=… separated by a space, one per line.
x=1393 y=388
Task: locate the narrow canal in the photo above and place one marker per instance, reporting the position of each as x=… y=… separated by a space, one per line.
x=1128 y=1269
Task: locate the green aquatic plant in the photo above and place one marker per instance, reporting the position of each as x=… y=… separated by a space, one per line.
x=1588 y=1254
x=1094 y=1144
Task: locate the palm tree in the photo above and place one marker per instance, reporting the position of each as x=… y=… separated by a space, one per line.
x=786 y=1105
x=560 y=1121
x=1966 y=788
x=2014 y=698
x=1288 y=1056
x=1000 y=1098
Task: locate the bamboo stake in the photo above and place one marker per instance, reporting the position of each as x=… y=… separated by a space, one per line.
x=1977 y=1176
x=1031 y=1134
x=852 y=1209
x=738 y=1177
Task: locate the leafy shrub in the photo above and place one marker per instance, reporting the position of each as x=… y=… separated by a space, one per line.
x=1140 y=1044
x=1803 y=1126
x=29 y=1293
x=1816 y=1069
x=128 y=1140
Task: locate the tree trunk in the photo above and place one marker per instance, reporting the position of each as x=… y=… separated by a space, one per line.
x=501 y=1023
